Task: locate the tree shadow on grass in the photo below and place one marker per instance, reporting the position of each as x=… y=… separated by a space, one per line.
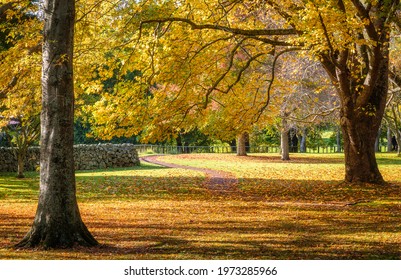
x=276 y=240
x=319 y=191
x=295 y=232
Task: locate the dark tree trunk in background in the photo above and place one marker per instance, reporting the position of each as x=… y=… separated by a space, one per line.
x=179 y=144
x=389 y=145
x=21 y=164
x=395 y=145
x=377 y=143
x=57 y=223
x=233 y=145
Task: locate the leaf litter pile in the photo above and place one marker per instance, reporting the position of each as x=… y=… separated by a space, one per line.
x=299 y=209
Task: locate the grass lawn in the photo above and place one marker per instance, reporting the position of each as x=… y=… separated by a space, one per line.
x=283 y=210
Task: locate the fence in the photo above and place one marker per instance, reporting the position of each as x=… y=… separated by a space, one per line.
x=166 y=149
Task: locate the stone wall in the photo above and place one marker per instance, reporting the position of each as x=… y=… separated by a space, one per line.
x=87 y=157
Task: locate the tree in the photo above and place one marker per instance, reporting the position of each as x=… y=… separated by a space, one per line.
x=19 y=53
x=22 y=133
x=57 y=221
x=20 y=78
x=393 y=108
x=393 y=115
x=359 y=69
x=306 y=98
x=351 y=39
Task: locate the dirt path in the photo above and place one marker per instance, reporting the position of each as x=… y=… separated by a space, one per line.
x=217 y=181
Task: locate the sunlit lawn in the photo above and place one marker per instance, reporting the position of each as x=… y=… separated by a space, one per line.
x=283 y=210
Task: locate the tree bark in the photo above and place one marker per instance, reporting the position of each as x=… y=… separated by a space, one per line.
x=302 y=146
x=57 y=223
x=359 y=150
x=338 y=140
x=398 y=139
x=241 y=144
x=284 y=138
x=360 y=126
x=285 y=146
x=377 y=142
x=179 y=144
x=21 y=163
x=389 y=146
x=233 y=145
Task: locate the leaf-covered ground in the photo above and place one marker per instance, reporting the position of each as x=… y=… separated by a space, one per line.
x=283 y=210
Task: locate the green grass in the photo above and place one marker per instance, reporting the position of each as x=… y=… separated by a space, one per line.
x=295 y=210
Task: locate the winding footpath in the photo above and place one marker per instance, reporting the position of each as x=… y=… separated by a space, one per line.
x=216 y=181
x=222 y=182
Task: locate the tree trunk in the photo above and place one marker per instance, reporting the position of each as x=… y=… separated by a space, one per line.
x=241 y=144
x=377 y=142
x=360 y=126
x=247 y=143
x=20 y=164
x=284 y=139
x=285 y=146
x=179 y=144
x=57 y=223
x=338 y=140
x=359 y=149
x=398 y=139
x=389 y=141
x=233 y=145
x=302 y=145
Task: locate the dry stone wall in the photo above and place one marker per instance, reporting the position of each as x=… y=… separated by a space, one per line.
x=87 y=157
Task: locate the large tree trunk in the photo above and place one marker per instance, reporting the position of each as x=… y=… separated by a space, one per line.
x=57 y=223
x=359 y=149
x=360 y=126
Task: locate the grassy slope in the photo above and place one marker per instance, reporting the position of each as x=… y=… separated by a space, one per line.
x=293 y=210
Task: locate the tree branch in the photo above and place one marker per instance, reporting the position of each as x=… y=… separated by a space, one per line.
x=217 y=82
x=242 y=70
x=396 y=78
x=363 y=13
x=261 y=110
x=314 y=115
x=5 y=7
x=236 y=31
x=11 y=84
